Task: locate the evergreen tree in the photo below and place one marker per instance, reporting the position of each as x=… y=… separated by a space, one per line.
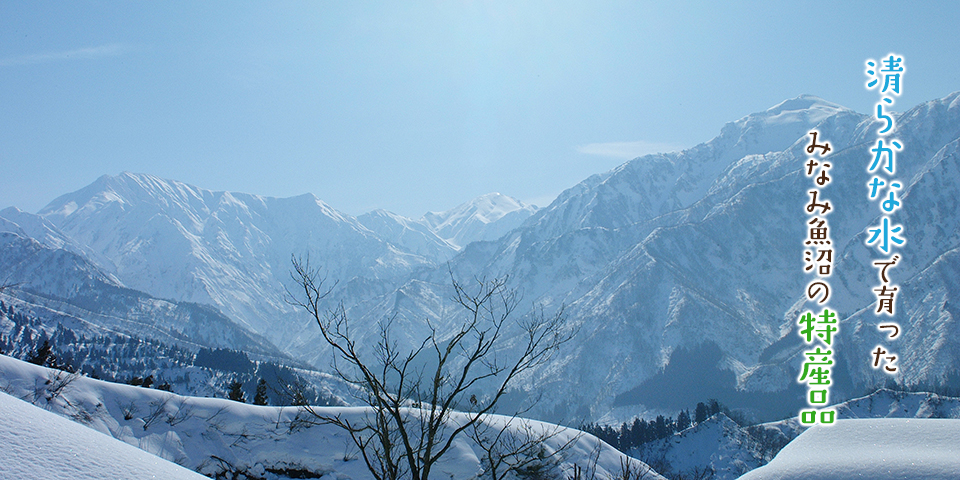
x=42 y=355
x=661 y=427
x=715 y=407
x=147 y=382
x=260 y=398
x=642 y=433
x=701 y=413
x=27 y=337
x=683 y=420
x=236 y=392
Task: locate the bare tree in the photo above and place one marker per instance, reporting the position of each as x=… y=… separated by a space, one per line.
x=158 y=410
x=415 y=392
x=697 y=473
x=629 y=469
x=633 y=471
x=57 y=382
x=511 y=449
x=129 y=410
x=182 y=413
x=5 y=285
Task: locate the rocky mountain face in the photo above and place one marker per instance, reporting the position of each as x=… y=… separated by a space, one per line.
x=655 y=262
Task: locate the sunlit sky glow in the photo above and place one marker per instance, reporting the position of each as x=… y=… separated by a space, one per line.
x=420 y=107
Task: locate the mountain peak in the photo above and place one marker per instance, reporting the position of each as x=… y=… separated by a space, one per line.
x=805 y=101
x=486 y=217
x=122 y=190
x=487 y=208
x=804 y=109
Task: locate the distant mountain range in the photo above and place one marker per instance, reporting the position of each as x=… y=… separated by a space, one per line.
x=232 y=250
x=664 y=260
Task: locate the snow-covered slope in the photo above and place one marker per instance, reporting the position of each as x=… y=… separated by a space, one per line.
x=487 y=217
x=39 y=444
x=879 y=449
x=414 y=236
x=226 y=438
x=66 y=288
x=717 y=447
x=28 y=225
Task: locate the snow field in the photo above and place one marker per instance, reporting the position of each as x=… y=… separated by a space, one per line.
x=877 y=449
x=216 y=436
x=37 y=444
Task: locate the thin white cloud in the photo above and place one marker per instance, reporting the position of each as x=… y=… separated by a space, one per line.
x=87 y=53
x=627 y=150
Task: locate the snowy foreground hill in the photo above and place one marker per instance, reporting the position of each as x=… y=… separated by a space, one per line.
x=222 y=438
x=54 y=424
x=878 y=449
x=40 y=444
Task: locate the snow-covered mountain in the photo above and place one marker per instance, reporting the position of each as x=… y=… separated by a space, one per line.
x=414 y=236
x=487 y=217
x=28 y=225
x=716 y=448
x=233 y=250
x=440 y=235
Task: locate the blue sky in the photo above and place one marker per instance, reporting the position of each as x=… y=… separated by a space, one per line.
x=417 y=106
